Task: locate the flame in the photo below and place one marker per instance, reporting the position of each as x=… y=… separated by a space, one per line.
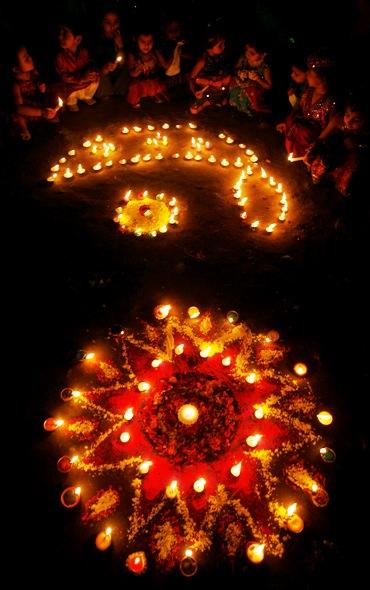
x=236 y=469
x=291 y=509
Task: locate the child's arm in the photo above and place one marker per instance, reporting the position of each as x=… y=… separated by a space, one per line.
x=135 y=67
x=28 y=110
x=194 y=73
x=161 y=60
x=266 y=83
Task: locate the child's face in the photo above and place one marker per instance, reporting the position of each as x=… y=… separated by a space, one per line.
x=24 y=60
x=253 y=56
x=111 y=24
x=219 y=47
x=297 y=75
x=173 y=31
x=353 y=120
x=145 y=43
x=67 y=40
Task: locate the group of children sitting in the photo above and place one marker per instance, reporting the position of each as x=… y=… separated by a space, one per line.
x=333 y=142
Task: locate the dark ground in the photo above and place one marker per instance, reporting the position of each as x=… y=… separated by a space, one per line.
x=76 y=275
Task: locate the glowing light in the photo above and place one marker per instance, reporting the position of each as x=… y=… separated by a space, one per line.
x=300 y=369
x=193 y=125
x=244 y=215
x=238 y=163
x=242 y=146
x=150 y=127
x=236 y=469
x=129 y=414
x=72 y=152
x=124 y=437
x=263 y=173
x=270 y=228
x=68 y=173
x=232 y=316
x=135 y=159
x=145 y=466
x=188 y=156
x=143 y=386
x=193 y=312
x=136 y=129
x=188 y=414
x=51 y=424
x=80 y=169
x=259 y=412
x=165 y=126
x=198 y=157
x=104 y=538
x=97 y=167
x=255 y=224
x=221 y=135
x=229 y=140
x=325 y=418
x=254 y=158
x=98 y=138
x=249 y=152
x=212 y=159
x=62 y=160
x=179 y=349
x=55 y=168
x=89 y=356
x=226 y=361
x=156 y=363
x=52 y=178
x=76 y=393
x=253 y=440
x=162 y=311
x=125 y=130
x=87 y=143
x=199 y=485
x=172 y=490
x=282 y=216
x=251 y=377
x=224 y=162
x=205 y=352
x=176 y=155
x=256 y=552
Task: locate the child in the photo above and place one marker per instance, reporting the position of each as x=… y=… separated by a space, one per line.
x=252 y=81
x=110 y=58
x=174 y=50
x=342 y=157
x=313 y=119
x=298 y=83
x=144 y=67
x=74 y=70
x=29 y=94
x=209 y=81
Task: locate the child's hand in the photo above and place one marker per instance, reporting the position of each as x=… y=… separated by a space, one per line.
x=42 y=87
x=254 y=76
x=108 y=67
x=49 y=113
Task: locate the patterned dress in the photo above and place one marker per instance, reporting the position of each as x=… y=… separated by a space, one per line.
x=148 y=84
x=304 y=125
x=214 y=69
x=247 y=95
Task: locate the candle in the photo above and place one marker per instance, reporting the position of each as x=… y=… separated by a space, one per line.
x=205 y=352
x=143 y=386
x=176 y=155
x=258 y=412
x=156 y=363
x=87 y=143
x=255 y=552
x=109 y=163
x=136 y=129
x=212 y=159
x=295 y=523
x=300 y=369
x=55 y=168
x=238 y=163
x=123 y=161
x=172 y=490
x=198 y=157
x=59 y=103
x=136 y=562
x=232 y=316
x=279 y=188
x=125 y=130
x=70 y=497
x=255 y=224
x=163 y=229
x=229 y=140
x=199 y=485
x=72 y=152
x=244 y=215
x=51 y=424
x=193 y=125
x=52 y=178
x=145 y=466
x=62 y=160
x=327 y=455
x=97 y=167
x=319 y=496
x=188 y=156
x=98 y=138
x=282 y=216
x=65 y=463
x=188 y=414
x=179 y=349
x=270 y=228
x=242 y=146
x=161 y=311
x=221 y=135
x=165 y=126
x=325 y=418
x=253 y=440
x=135 y=159
x=225 y=162
x=129 y=414
x=292 y=159
x=150 y=127
x=263 y=173
x=254 y=158
x=104 y=539
x=124 y=437
x=251 y=377
x=226 y=361
x=249 y=170
x=272 y=181
x=249 y=152
x=236 y=469
x=188 y=565
x=193 y=312
x=80 y=169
